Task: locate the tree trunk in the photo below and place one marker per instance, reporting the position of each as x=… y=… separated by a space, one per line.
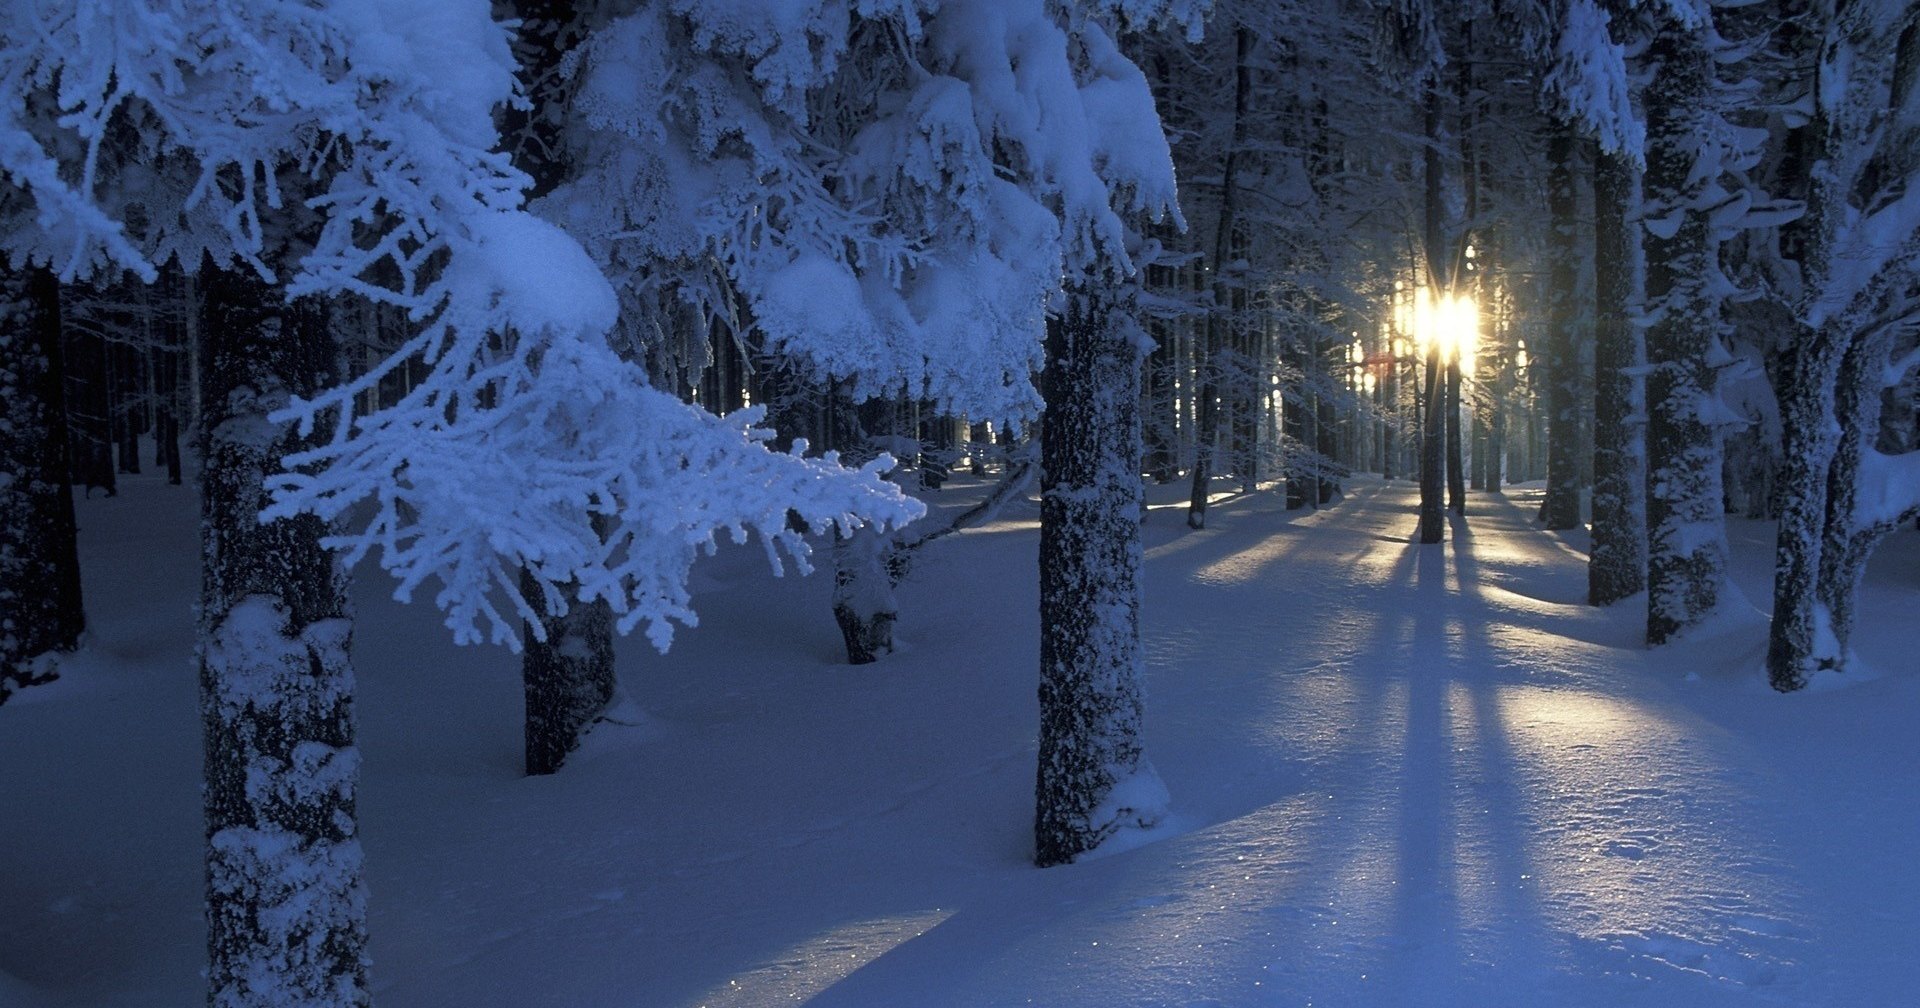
x=1093 y=778
x=1563 y=355
x=1687 y=550
x=568 y=678
x=1218 y=323
x=1456 y=461
x=40 y=606
x=1617 y=566
x=286 y=909
x=1433 y=424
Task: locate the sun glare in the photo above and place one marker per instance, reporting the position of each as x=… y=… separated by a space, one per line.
x=1451 y=321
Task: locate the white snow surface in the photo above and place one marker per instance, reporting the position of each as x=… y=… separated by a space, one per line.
x=1400 y=775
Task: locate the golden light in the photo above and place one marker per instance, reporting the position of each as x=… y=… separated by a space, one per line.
x=1452 y=322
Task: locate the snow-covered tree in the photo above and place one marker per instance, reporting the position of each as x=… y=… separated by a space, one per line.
x=1688 y=144
x=1859 y=293
x=349 y=147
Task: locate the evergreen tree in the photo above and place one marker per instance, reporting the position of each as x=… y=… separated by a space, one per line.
x=1687 y=550
x=40 y=604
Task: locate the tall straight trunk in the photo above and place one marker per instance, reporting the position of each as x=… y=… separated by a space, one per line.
x=40 y=607
x=1469 y=180
x=286 y=908
x=1326 y=425
x=1477 y=467
x=1390 y=405
x=568 y=678
x=1093 y=778
x=1617 y=566
x=1293 y=429
x=1160 y=415
x=89 y=412
x=1456 y=460
x=1433 y=425
x=1562 y=508
x=1218 y=324
x=1687 y=549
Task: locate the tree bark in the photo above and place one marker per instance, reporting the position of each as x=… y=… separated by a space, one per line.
x=286 y=908
x=40 y=605
x=1687 y=550
x=1563 y=355
x=1433 y=425
x=568 y=678
x=1617 y=567
x=1093 y=778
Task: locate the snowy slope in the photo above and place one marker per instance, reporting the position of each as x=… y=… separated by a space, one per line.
x=1402 y=776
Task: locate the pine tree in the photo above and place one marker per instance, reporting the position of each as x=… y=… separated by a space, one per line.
x=1687 y=551
x=40 y=604
x=1618 y=564
x=286 y=904
x=1561 y=509
x=1861 y=267
x=1093 y=778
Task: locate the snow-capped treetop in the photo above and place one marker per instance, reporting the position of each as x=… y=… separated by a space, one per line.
x=893 y=202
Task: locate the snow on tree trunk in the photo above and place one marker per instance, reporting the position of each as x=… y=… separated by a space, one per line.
x=40 y=609
x=1836 y=498
x=1850 y=536
x=1796 y=645
x=1618 y=564
x=864 y=605
x=863 y=599
x=1562 y=507
x=1093 y=778
x=1687 y=550
x=286 y=909
x=568 y=676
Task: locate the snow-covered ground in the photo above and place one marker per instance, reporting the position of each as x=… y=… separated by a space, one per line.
x=1402 y=775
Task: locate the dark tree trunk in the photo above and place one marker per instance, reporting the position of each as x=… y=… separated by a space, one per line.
x=1161 y=463
x=568 y=677
x=286 y=908
x=1293 y=428
x=1326 y=430
x=89 y=412
x=1618 y=563
x=864 y=605
x=1456 y=461
x=1390 y=403
x=1433 y=424
x=1218 y=324
x=1562 y=510
x=40 y=607
x=1686 y=551
x=1093 y=778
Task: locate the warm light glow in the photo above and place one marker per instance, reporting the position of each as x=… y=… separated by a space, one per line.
x=1452 y=322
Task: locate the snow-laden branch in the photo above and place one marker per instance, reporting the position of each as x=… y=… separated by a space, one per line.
x=361 y=131
x=1588 y=79
x=556 y=456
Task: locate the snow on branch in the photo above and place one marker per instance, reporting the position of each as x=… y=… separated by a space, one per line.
x=362 y=132
x=1588 y=78
x=555 y=455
